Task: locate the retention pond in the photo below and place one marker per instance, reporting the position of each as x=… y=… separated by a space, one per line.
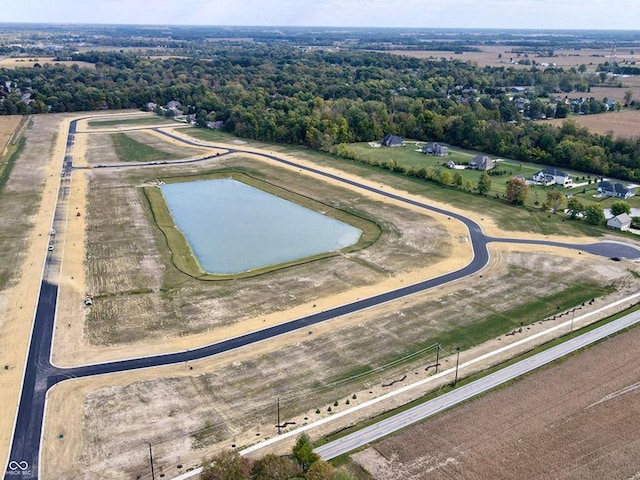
x=232 y=227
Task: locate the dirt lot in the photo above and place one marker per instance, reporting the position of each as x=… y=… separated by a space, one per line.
x=8 y=125
x=623 y=124
x=579 y=419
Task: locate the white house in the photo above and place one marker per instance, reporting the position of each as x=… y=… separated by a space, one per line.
x=620 y=222
x=553 y=176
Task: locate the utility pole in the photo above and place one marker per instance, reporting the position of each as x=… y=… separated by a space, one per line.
x=153 y=475
x=457 y=364
x=279 y=427
x=437 y=357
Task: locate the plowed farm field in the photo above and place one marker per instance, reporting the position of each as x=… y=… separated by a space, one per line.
x=574 y=420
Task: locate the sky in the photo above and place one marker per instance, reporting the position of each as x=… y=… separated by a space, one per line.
x=536 y=14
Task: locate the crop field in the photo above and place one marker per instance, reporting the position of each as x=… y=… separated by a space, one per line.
x=8 y=125
x=30 y=62
x=622 y=124
x=575 y=419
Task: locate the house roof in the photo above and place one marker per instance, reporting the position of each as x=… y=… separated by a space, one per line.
x=622 y=219
x=555 y=172
x=613 y=187
x=390 y=139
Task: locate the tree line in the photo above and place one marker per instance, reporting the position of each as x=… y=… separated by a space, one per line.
x=321 y=99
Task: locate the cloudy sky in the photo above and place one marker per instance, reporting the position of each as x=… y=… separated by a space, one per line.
x=554 y=14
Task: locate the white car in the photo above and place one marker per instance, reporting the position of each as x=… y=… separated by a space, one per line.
x=50 y=247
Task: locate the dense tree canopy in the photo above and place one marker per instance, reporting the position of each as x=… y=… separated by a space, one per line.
x=322 y=98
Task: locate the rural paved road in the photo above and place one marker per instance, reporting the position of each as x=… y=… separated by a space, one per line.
x=416 y=414
x=40 y=374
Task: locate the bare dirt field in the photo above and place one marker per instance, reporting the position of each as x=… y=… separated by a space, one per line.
x=100 y=426
x=8 y=126
x=623 y=124
x=189 y=411
x=574 y=420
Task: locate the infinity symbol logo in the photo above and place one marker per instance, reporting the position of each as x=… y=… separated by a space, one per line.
x=13 y=465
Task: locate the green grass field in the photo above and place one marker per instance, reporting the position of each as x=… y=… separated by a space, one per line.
x=130 y=150
x=131 y=122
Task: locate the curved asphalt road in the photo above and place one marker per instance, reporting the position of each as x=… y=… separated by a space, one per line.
x=40 y=374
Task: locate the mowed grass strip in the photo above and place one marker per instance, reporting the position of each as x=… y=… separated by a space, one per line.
x=130 y=150
x=185 y=260
x=130 y=122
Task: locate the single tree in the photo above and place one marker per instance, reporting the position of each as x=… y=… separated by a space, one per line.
x=227 y=465
x=620 y=207
x=517 y=191
x=574 y=207
x=594 y=215
x=321 y=470
x=303 y=452
x=445 y=178
x=627 y=97
x=457 y=179
x=554 y=200
x=484 y=184
x=274 y=467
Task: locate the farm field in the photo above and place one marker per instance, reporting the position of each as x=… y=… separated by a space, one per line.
x=575 y=419
x=625 y=123
x=8 y=125
x=8 y=62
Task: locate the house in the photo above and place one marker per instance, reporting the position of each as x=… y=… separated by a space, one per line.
x=391 y=141
x=434 y=148
x=451 y=164
x=218 y=124
x=616 y=190
x=559 y=177
x=620 y=222
x=481 y=162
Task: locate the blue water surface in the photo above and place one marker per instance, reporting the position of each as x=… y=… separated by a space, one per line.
x=233 y=227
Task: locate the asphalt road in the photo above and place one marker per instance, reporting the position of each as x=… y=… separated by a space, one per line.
x=40 y=374
x=416 y=414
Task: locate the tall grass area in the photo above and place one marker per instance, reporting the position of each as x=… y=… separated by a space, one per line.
x=12 y=155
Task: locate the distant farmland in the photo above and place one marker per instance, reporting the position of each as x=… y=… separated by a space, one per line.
x=622 y=124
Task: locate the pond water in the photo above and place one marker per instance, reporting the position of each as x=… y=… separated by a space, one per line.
x=233 y=227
